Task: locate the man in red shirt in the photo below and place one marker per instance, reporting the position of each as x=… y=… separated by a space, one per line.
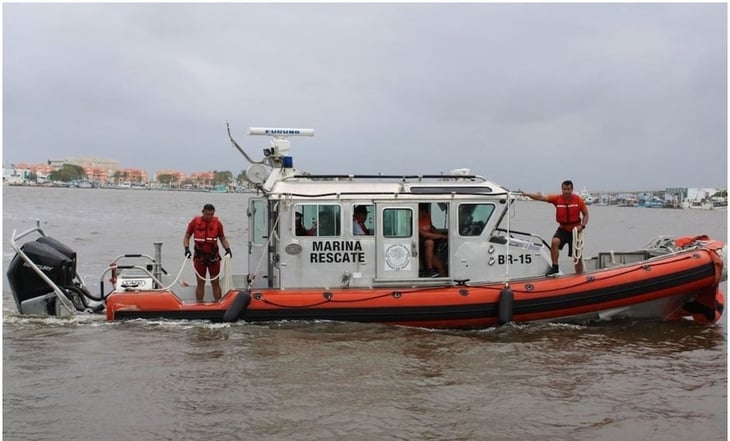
x=428 y=235
x=206 y=230
x=570 y=212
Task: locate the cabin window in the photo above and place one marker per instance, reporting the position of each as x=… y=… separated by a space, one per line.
x=317 y=220
x=439 y=213
x=397 y=222
x=363 y=213
x=473 y=218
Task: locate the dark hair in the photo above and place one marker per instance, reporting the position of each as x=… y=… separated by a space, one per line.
x=567 y=182
x=361 y=209
x=208 y=207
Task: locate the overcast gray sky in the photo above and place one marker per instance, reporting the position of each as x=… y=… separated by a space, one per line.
x=613 y=96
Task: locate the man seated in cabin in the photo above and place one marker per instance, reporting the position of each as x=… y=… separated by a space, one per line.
x=329 y=223
x=358 y=221
x=428 y=235
x=300 y=229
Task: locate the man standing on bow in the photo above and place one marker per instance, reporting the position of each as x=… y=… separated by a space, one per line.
x=206 y=230
x=571 y=213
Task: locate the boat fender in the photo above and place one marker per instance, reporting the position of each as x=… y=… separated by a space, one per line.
x=238 y=306
x=506 y=303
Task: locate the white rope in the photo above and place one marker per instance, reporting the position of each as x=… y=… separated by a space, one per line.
x=225 y=269
x=577 y=245
x=158 y=282
x=224 y=264
x=182 y=267
x=506 y=270
x=227 y=282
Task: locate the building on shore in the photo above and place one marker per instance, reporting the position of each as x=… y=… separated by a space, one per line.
x=670 y=197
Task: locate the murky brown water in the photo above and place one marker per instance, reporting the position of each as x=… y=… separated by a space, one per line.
x=87 y=379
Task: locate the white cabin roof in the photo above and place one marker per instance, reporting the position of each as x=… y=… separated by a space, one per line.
x=384 y=187
x=282 y=180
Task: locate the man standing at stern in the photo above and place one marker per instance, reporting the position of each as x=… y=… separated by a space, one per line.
x=571 y=213
x=206 y=230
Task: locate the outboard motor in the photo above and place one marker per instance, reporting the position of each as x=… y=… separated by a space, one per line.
x=33 y=294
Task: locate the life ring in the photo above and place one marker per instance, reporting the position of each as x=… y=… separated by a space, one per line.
x=238 y=306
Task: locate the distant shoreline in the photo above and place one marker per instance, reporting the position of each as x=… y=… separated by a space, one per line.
x=237 y=189
x=642 y=199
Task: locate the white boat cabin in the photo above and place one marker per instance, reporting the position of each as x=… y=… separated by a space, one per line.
x=302 y=232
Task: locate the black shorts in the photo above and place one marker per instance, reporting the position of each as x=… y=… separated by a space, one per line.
x=565 y=237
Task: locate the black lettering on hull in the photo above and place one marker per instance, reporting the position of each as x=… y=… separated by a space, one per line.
x=323 y=257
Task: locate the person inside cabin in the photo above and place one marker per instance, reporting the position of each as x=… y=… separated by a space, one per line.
x=206 y=231
x=571 y=213
x=428 y=235
x=299 y=228
x=358 y=221
x=328 y=222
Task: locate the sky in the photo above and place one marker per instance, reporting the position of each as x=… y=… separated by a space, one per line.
x=619 y=97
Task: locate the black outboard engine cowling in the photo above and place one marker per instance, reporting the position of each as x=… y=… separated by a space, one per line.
x=55 y=260
x=60 y=247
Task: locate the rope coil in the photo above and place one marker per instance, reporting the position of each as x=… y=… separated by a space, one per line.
x=578 y=242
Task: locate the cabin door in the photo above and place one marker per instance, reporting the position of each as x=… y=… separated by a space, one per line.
x=397 y=241
x=258 y=237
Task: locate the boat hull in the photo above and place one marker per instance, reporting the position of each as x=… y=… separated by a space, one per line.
x=657 y=289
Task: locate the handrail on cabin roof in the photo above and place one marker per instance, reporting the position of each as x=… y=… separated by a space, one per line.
x=401 y=178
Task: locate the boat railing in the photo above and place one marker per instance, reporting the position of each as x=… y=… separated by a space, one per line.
x=420 y=282
x=398 y=178
x=141 y=272
x=62 y=297
x=518 y=239
x=150 y=268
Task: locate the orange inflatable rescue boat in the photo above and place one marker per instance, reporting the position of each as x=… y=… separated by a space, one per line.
x=347 y=248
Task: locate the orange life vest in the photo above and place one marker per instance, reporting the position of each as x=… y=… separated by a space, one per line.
x=205 y=235
x=567 y=211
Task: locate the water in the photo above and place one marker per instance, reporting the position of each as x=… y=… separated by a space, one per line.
x=87 y=379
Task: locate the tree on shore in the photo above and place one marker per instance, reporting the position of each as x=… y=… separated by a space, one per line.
x=166 y=179
x=222 y=177
x=68 y=173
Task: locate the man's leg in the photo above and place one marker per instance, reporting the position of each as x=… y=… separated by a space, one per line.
x=200 y=287
x=555 y=250
x=439 y=266
x=554 y=254
x=569 y=243
x=579 y=266
x=428 y=249
x=200 y=290
x=216 y=290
